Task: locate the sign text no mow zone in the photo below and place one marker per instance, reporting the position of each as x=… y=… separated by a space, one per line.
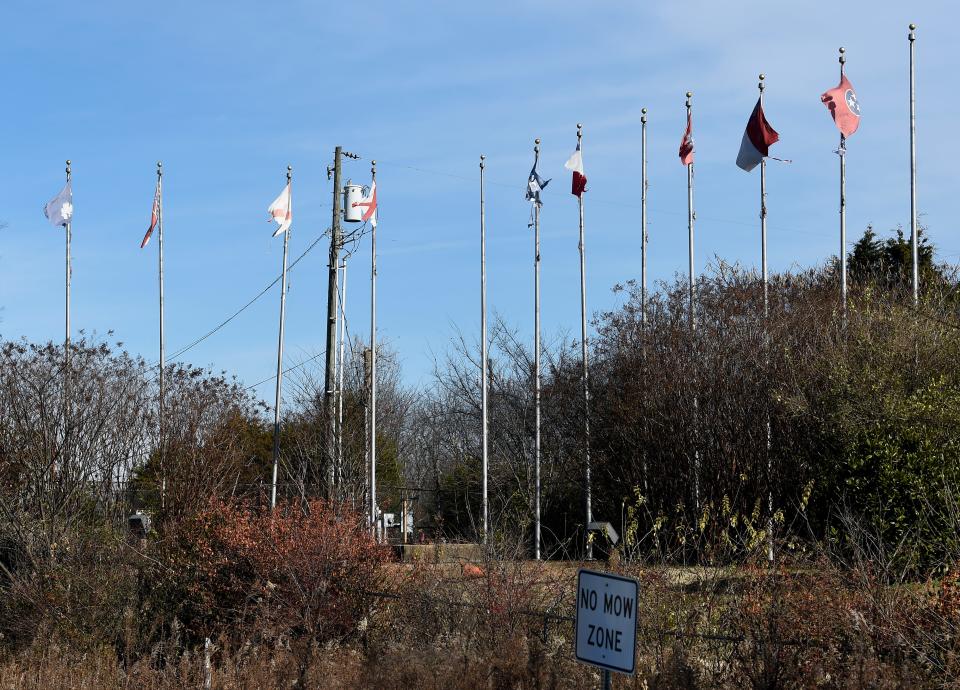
x=606 y=627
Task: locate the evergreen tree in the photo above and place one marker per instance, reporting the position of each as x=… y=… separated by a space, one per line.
x=890 y=262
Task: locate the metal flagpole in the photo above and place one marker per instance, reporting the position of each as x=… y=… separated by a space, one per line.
x=763 y=219
x=342 y=363
x=283 y=305
x=691 y=216
x=643 y=217
x=766 y=335
x=588 y=513
x=914 y=234
x=536 y=367
x=69 y=223
x=366 y=435
x=373 y=365
x=163 y=350
x=66 y=339
x=843 y=207
x=483 y=352
x=643 y=258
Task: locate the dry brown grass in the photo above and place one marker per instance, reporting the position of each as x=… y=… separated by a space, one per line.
x=439 y=629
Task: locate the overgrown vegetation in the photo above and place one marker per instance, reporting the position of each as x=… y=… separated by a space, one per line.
x=832 y=436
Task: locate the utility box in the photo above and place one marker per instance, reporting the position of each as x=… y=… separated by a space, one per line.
x=352 y=195
x=605 y=537
x=606 y=531
x=138 y=525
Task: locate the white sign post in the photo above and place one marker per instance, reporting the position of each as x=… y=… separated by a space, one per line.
x=606 y=627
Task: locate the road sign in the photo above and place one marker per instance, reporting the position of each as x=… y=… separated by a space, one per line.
x=606 y=628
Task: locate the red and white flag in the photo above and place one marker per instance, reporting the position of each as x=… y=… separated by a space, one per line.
x=686 y=144
x=579 y=184
x=757 y=139
x=843 y=105
x=281 y=210
x=154 y=216
x=370 y=203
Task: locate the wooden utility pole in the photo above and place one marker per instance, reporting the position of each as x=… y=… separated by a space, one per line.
x=336 y=243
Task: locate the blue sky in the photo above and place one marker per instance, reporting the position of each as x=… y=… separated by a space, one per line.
x=227 y=94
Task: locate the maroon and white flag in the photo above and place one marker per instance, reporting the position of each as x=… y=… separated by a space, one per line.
x=757 y=139
x=154 y=216
x=579 y=184
x=686 y=144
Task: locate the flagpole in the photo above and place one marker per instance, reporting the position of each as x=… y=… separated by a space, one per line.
x=643 y=217
x=643 y=257
x=763 y=219
x=914 y=234
x=766 y=337
x=366 y=436
x=373 y=365
x=536 y=365
x=843 y=207
x=342 y=328
x=483 y=351
x=66 y=339
x=691 y=216
x=283 y=306
x=163 y=464
x=588 y=512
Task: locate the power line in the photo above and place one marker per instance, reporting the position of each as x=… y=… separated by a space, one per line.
x=286 y=371
x=246 y=306
x=354 y=237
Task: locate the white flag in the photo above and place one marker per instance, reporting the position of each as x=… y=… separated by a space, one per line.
x=369 y=204
x=281 y=210
x=59 y=210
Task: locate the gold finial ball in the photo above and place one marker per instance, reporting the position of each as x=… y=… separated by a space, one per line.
x=762 y=76
x=689 y=94
x=913 y=27
x=643 y=111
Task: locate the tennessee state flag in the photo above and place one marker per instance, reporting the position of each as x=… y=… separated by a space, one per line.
x=686 y=144
x=757 y=139
x=843 y=105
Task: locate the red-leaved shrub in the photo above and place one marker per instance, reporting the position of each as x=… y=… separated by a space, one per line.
x=303 y=570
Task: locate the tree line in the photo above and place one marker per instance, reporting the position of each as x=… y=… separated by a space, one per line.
x=805 y=423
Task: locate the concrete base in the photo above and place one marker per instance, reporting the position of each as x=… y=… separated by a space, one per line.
x=440 y=553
